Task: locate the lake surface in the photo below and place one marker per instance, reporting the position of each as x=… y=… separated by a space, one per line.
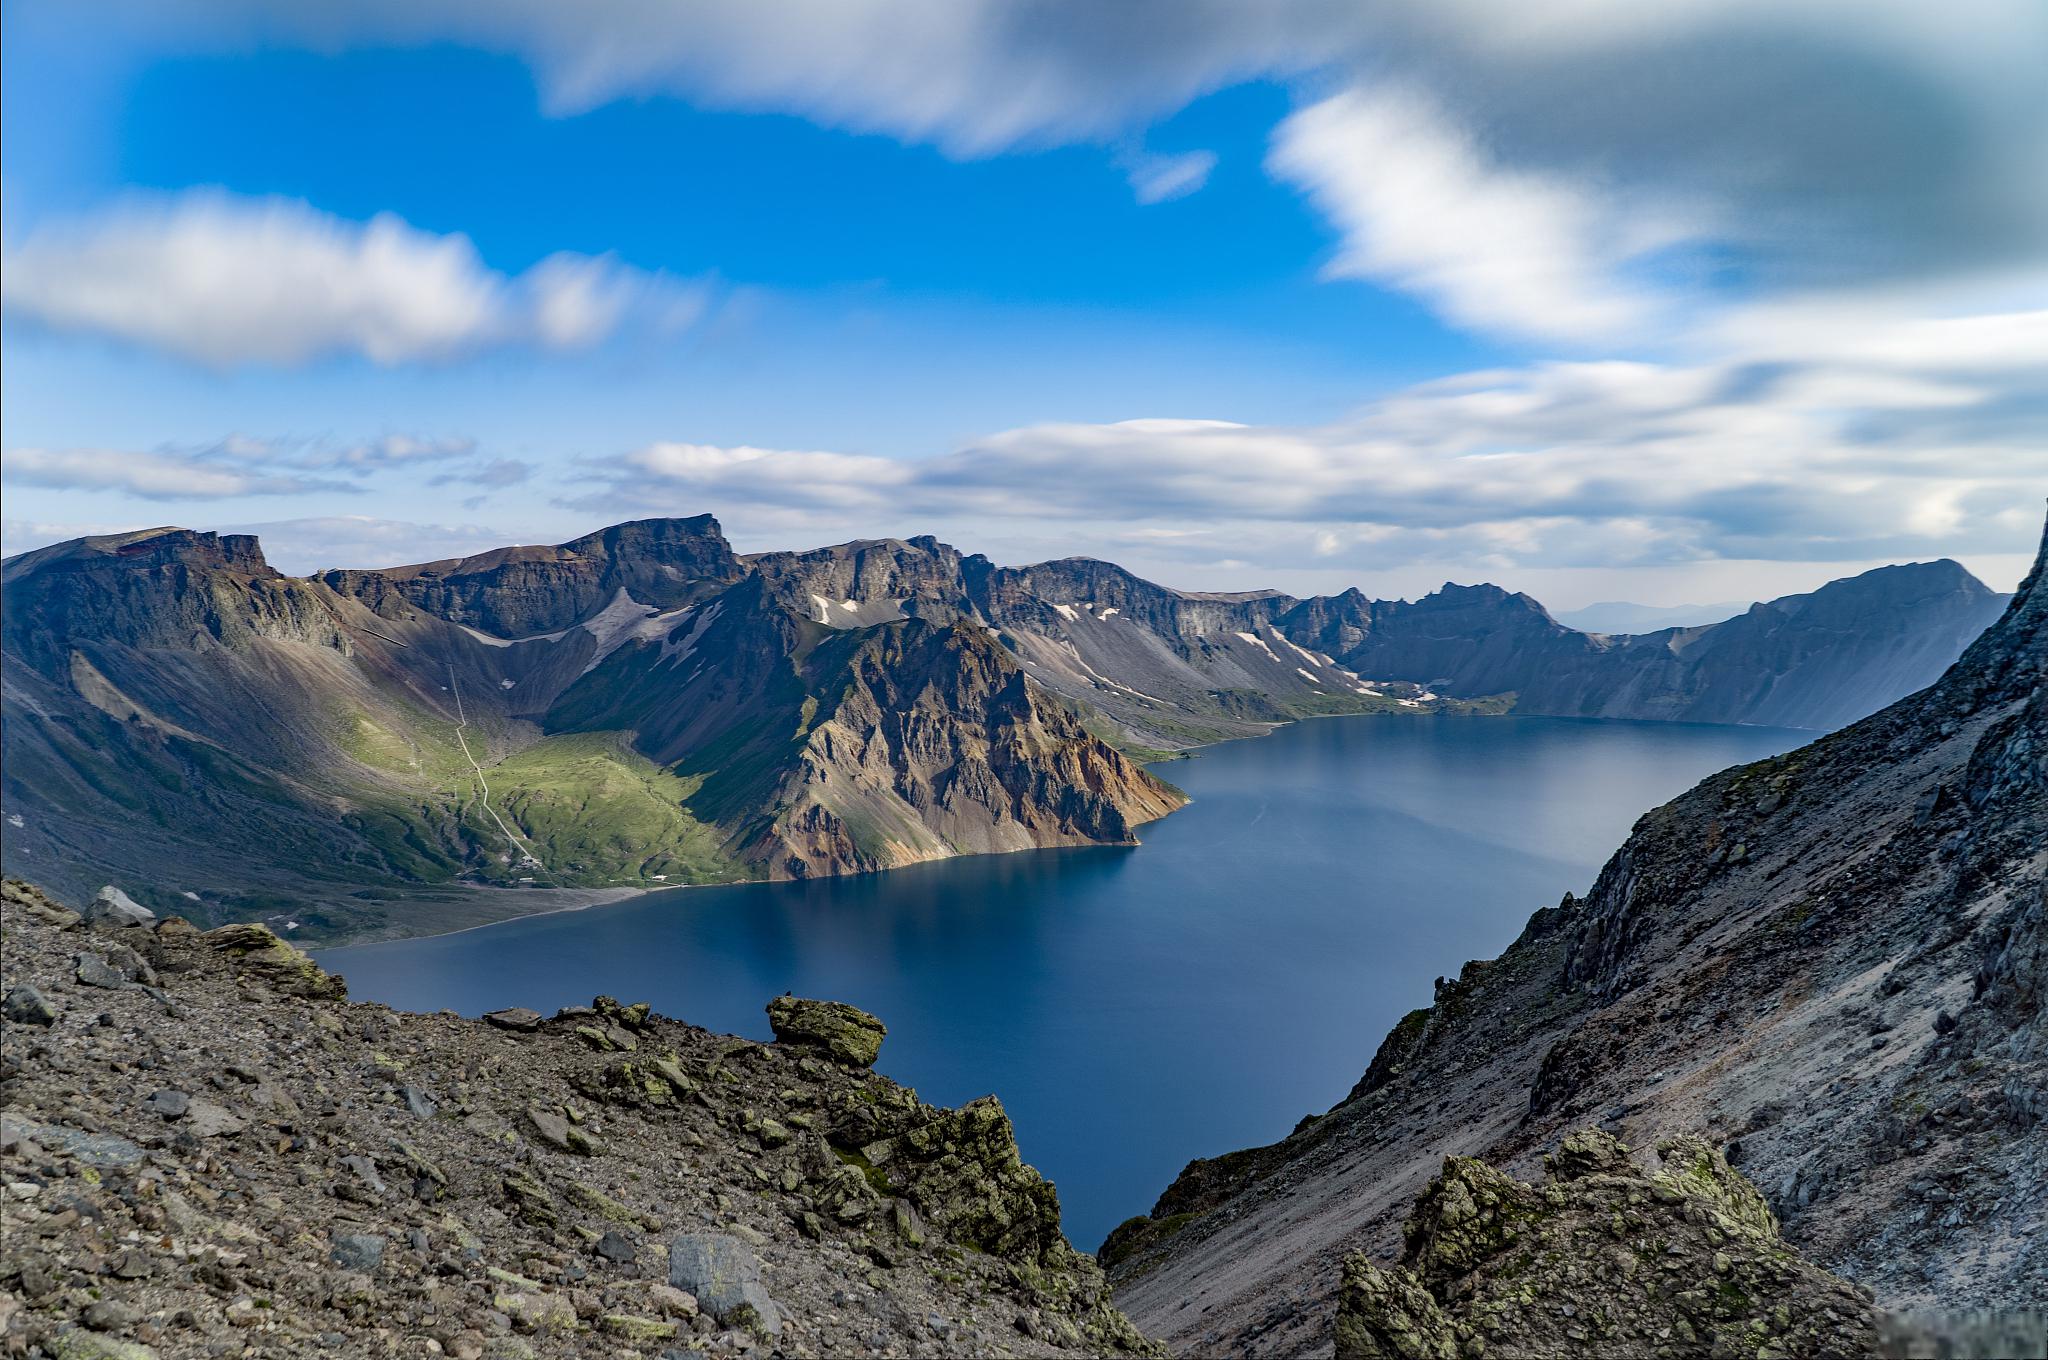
x=1135 y=1008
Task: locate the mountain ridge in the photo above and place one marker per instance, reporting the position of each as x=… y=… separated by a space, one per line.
x=642 y=706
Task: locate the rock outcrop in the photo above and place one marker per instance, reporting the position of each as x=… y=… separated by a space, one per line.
x=1603 y=1258
x=237 y=1160
x=1830 y=962
x=844 y=1033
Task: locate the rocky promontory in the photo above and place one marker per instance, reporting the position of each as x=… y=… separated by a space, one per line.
x=207 y=1150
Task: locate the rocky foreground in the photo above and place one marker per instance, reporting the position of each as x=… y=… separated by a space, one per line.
x=207 y=1151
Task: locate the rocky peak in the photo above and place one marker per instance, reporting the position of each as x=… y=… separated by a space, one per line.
x=144 y=549
x=155 y=588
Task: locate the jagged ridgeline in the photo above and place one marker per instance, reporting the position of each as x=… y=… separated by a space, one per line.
x=643 y=706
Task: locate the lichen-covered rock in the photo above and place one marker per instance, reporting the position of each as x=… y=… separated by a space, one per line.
x=847 y=1033
x=27 y=1006
x=258 y=950
x=962 y=1170
x=725 y=1278
x=1602 y=1258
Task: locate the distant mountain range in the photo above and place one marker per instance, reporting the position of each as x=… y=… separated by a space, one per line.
x=643 y=706
x=1623 y=616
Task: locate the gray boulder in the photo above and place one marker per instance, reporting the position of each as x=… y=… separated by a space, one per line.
x=27 y=1006
x=115 y=908
x=358 y=1251
x=725 y=1277
x=515 y=1018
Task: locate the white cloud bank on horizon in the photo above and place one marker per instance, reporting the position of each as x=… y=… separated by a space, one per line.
x=1788 y=144
x=239 y=465
x=225 y=281
x=1867 y=444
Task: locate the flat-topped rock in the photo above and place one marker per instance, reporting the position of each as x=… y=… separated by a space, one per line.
x=515 y=1018
x=844 y=1032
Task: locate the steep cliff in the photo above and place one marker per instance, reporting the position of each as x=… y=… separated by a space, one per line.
x=1830 y=961
x=517 y=592
x=930 y=741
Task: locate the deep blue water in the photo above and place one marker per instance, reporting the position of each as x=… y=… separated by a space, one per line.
x=1135 y=1008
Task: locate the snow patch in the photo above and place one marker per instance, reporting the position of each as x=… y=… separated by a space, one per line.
x=679 y=652
x=624 y=620
x=1314 y=658
x=489 y=641
x=1255 y=640
x=1066 y=611
x=1309 y=676
x=1107 y=613
x=507 y=684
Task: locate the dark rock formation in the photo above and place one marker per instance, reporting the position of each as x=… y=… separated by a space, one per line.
x=517 y=592
x=340 y=738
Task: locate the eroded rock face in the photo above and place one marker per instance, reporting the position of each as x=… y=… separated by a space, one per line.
x=1601 y=1258
x=844 y=1032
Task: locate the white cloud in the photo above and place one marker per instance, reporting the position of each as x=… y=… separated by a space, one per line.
x=1159 y=178
x=1558 y=464
x=305 y=546
x=1423 y=208
x=1824 y=143
x=225 y=281
x=149 y=475
x=243 y=465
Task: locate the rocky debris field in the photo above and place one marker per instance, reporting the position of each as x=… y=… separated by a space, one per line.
x=206 y=1150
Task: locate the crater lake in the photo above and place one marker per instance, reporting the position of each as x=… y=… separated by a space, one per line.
x=1137 y=1007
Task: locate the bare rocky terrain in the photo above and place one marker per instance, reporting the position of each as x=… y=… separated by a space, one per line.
x=206 y=1150
x=1833 y=963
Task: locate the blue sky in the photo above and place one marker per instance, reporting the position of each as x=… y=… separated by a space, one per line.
x=1236 y=297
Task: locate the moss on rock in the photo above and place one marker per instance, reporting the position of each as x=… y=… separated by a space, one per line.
x=845 y=1033
x=1603 y=1258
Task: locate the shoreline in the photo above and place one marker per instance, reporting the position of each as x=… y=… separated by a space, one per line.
x=590 y=898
